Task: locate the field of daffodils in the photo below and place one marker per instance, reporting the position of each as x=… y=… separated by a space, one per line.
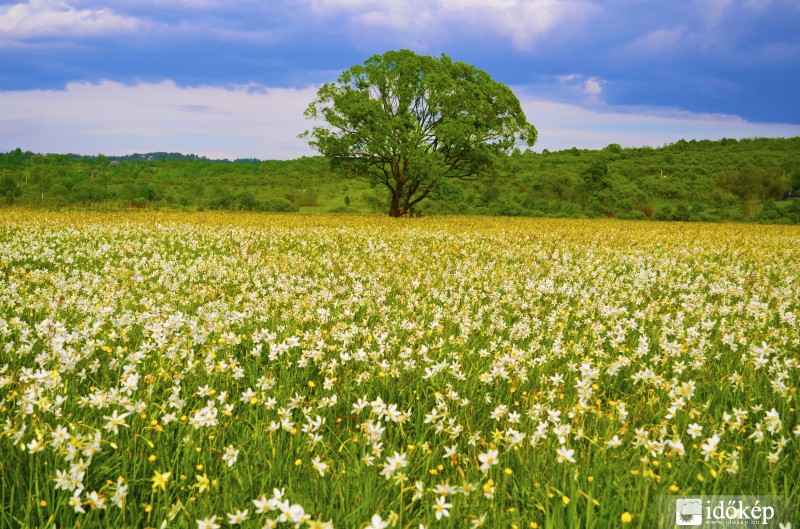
x=199 y=370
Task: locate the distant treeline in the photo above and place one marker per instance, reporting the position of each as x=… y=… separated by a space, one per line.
x=743 y=180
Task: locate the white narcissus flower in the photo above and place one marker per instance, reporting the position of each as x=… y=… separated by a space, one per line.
x=710 y=446
x=488 y=459
x=565 y=454
x=695 y=430
x=208 y=523
x=230 y=455
x=319 y=465
x=237 y=517
x=442 y=508
x=376 y=522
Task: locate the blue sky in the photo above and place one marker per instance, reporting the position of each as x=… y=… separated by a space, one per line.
x=231 y=78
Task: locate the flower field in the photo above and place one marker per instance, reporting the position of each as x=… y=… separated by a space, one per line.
x=209 y=370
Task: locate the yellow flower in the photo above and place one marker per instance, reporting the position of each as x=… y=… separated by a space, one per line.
x=626 y=517
x=202 y=482
x=160 y=480
x=565 y=500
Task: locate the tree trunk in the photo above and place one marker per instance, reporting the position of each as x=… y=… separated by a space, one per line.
x=395 y=209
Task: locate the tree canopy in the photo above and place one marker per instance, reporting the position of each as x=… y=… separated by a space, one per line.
x=407 y=122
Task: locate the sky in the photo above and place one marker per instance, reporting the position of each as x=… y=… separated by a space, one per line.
x=231 y=78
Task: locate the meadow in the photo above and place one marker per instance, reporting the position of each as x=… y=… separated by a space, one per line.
x=207 y=370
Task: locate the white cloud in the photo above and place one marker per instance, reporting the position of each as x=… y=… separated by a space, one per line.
x=563 y=126
x=112 y=118
x=714 y=9
x=593 y=86
x=658 y=40
x=587 y=89
x=255 y=122
x=46 y=18
x=524 y=22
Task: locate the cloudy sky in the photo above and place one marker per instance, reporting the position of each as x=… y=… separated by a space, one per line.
x=231 y=78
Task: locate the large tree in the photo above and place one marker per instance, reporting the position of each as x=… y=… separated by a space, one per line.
x=408 y=121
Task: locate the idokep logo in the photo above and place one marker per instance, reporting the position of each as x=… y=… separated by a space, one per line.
x=689 y=511
x=711 y=511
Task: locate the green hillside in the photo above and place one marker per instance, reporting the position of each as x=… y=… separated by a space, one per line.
x=752 y=179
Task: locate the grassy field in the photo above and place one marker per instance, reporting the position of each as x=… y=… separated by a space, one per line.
x=211 y=370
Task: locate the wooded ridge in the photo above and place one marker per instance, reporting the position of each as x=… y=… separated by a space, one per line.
x=741 y=180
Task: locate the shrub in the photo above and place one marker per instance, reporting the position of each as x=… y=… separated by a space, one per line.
x=279 y=205
x=664 y=213
x=303 y=198
x=646 y=209
x=632 y=214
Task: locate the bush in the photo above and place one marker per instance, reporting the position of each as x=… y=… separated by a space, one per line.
x=570 y=209
x=645 y=209
x=664 y=213
x=508 y=210
x=279 y=205
x=709 y=217
x=681 y=213
x=770 y=213
x=223 y=202
x=247 y=202
x=793 y=211
x=632 y=214
x=303 y=197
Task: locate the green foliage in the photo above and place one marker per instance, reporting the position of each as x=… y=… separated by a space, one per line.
x=279 y=205
x=793 y=211
x=771 y=214
x=9 y=188
x=408 y=122
x=715 y=181
x=303 y=197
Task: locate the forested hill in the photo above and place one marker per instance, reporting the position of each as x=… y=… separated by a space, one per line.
x=752 y=179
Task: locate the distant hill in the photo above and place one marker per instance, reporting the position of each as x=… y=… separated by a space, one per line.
x=752 y=179
x=176 y=156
